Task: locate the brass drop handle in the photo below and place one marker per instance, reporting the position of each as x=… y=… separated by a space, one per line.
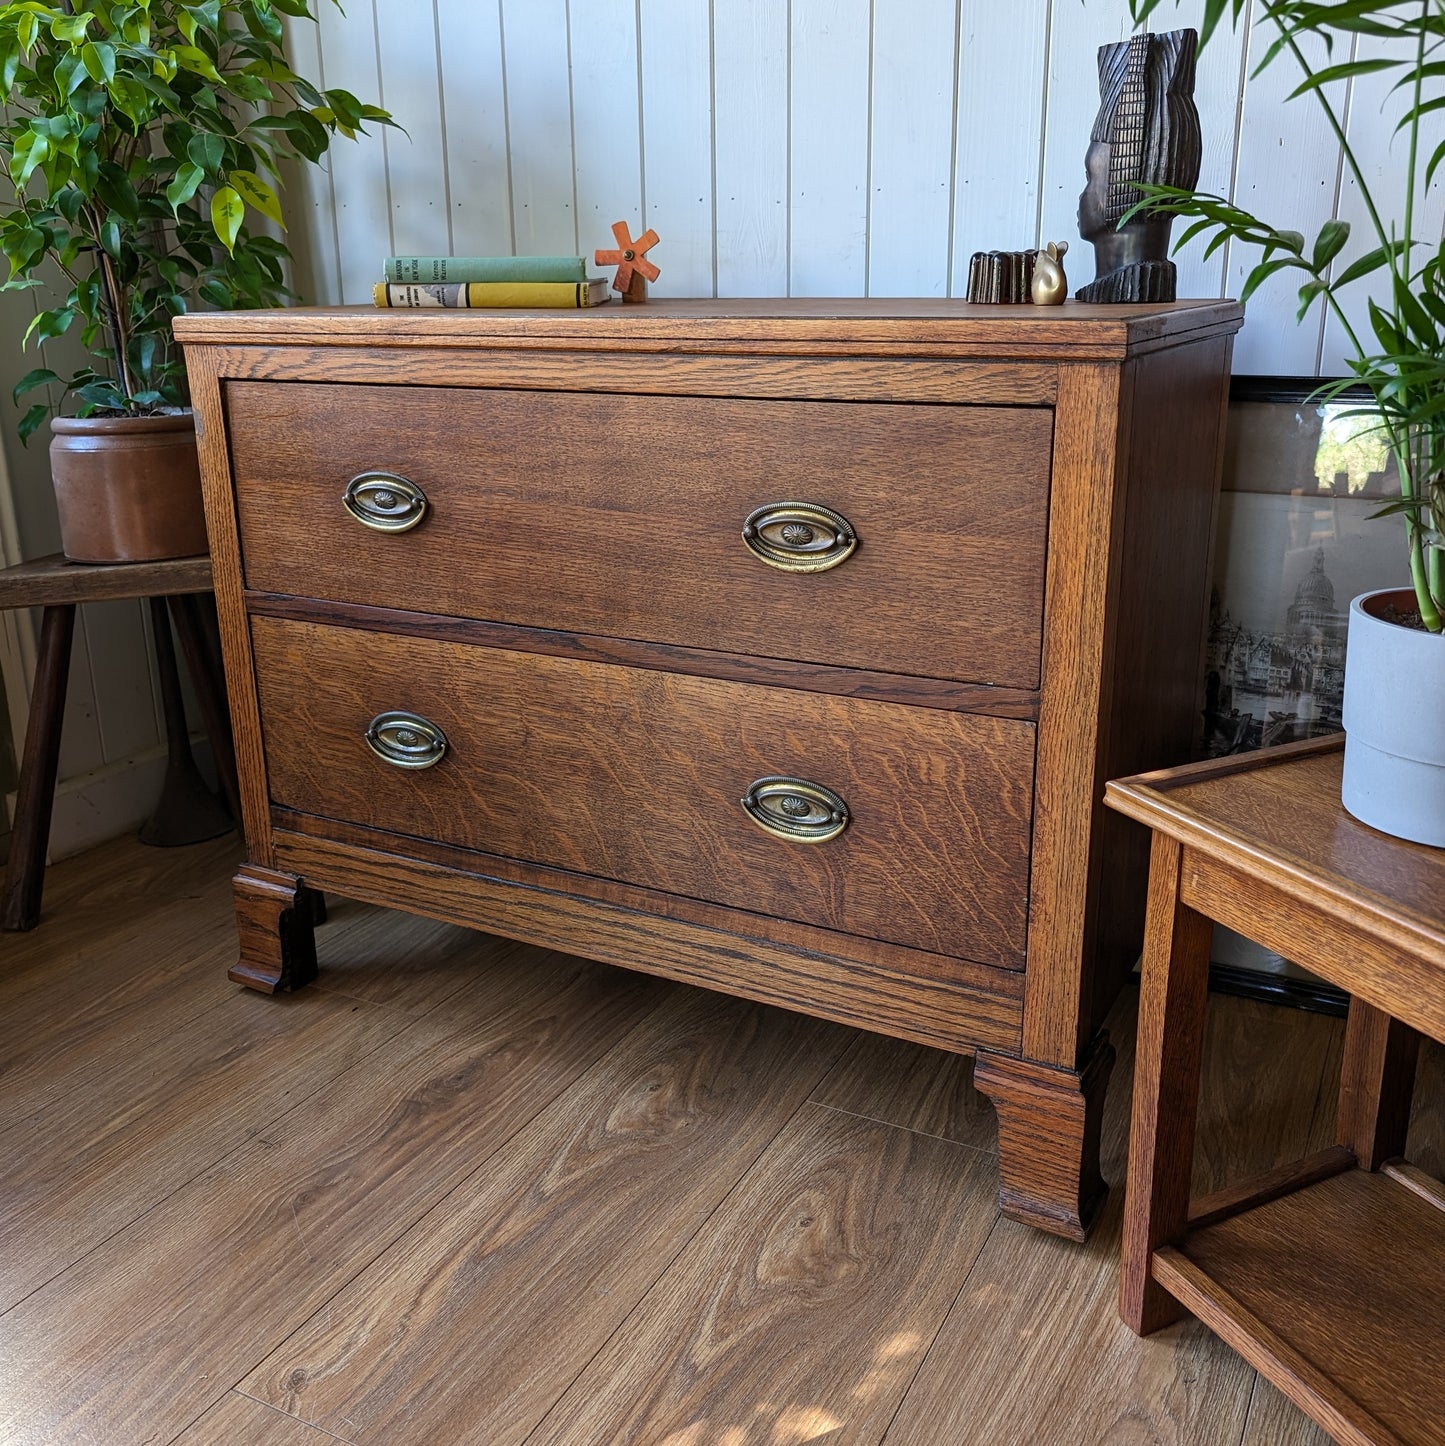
x=795 y=809
x=384 y=502
x=799 y=536
x=406 y=740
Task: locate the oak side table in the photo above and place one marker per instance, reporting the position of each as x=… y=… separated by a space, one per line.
x=1327 y=1275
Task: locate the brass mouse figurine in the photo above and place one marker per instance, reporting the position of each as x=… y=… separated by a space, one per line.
x=1050 y=287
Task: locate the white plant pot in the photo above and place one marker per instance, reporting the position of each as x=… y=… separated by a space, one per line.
x=1394 y=716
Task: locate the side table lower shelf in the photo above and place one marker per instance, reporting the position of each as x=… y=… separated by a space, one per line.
x=1335 y=1293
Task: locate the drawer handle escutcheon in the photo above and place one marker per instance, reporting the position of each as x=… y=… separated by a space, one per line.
x=799 y=536
x=406 y=740
x=796 y=810
x=384 y=502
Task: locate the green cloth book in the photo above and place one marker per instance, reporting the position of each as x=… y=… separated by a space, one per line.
x=461 y=295
x=438 y=270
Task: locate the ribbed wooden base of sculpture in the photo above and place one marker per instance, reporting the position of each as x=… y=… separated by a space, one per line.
x=1048 y=1137
x=276 y=916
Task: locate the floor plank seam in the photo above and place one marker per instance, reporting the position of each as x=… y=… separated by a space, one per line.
x=886 y=1439
x=310 y=1425
x=652 y=1284
x=894 y=1125
x=1248 y=1409
x=213 y=1164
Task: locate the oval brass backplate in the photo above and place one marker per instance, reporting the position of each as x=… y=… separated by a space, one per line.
x=795 y=809
x=384 y=501
x=799 y=536
x=406 y=740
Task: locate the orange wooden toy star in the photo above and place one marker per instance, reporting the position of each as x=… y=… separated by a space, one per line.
x=630 y=261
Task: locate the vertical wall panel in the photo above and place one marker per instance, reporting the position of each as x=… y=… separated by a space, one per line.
x=469 y=35
x=358 y=169
x=677 y=142
x=750 y=121
x=416 y=158
x=539 y=126
x=914 y=83
x=829 y=127
x=1383 y=156
x=1000 y=118
x=606 y=110
x=1289 y=177
x=307 y=200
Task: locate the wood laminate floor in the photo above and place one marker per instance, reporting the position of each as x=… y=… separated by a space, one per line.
x=465 y=1191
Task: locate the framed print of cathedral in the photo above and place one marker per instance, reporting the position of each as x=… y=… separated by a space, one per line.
x=1296 y=542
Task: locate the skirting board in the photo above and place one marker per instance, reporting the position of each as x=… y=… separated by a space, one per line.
x=92 y=808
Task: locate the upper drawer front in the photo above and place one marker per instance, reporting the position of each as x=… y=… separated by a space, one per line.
x=622 y=516
x=638 y=776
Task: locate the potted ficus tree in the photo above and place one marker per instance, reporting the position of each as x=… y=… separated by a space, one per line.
x=1394 y=707
x=140 y=137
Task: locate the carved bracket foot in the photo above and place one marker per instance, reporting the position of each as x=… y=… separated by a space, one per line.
x=275 y=918
x=1048 y=1137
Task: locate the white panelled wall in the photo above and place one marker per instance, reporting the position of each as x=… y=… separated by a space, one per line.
x=780 y=147
x=796 y=147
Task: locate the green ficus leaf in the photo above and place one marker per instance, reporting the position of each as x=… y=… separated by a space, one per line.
x=206 y=151
x=40 y=377
x=228 y=210
x=30 y=149
x=185 y=185
x=99 y=61
x=257 y=194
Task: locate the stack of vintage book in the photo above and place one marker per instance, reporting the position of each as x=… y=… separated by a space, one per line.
x=468 y=281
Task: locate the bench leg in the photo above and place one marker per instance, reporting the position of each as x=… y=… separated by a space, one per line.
x=25 y=873
x=210 y=687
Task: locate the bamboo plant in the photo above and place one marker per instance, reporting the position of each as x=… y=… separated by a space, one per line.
x=141 y=139
x=1399 y=359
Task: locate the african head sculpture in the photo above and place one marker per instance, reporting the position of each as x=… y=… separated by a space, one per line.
x=1147 y=131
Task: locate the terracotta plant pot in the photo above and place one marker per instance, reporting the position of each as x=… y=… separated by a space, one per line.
x=1394 y=701
x=128 y=488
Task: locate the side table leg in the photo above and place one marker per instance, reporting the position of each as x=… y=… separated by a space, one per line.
x=1172 y=996
x=1377 y=1083
x=274 y=918
x=25 y=873
x=1048 y=1137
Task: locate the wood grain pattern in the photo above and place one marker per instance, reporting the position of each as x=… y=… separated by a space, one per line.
x=637 y=776
x=950 y=1014
x=688 y=369
x=571 y=1224
x=1377 y=1082
x=173 y=1309
x=156 y=923
x=1340 y=1241
x=1085 y=543
x=660 y=657
x=1071 y=1371
x=895 y=958
x=571 y=496
x=1048 y=1137
x=1274 y=1420
x=760 y=1328
x=225 y=545
x=214 y=1078
x=275 y=931
x=51 y=580
x=236 y=1418
x=1172 y=993
x=1074 y=331
x=913 y=1087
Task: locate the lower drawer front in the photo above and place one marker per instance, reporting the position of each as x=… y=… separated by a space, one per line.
x=638 y=776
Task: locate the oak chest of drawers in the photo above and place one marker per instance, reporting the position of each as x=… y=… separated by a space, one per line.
x=779 y=647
